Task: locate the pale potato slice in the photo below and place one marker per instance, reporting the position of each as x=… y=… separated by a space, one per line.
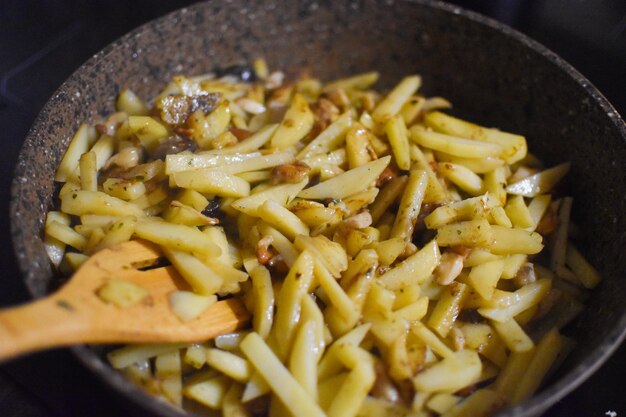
x=289 y=301
x=281 y=243
x=188 y=305
x=484 y=277
x=64 y=234
x=210 y=181
x=462 y=177
x=468 y=209
x=440 y=403
x=386 y=197
x=470 y=233
x=147 y=130
x=357 y=145
x=186 y=161
x=168 y=370
x=195 y=355
x=282 y=383
x=320 y=161
x=263 y=314
x=123 y=189
x=398 y=136
x=457 y=371
x=207 y=128
x=128 y=355
x=54 y=247
x=499 y=216
x=513 y=335
x=200 y=276
x=415 y=269
x=229 y=364
x=304 y=357
x=330 y=253
x=447 y=308
x=209 y=392
x=104 y=149
x=330 y=363
x=336 y=295
x=412 y=109
x=230 y=341
x=255 y=387
x=537 y=208
x=283 y=193
x=542 y=360
x=353 y=391
x=251 y=143
x=410 y=205
x=355 y=82
x=330 y=138
x=119 y=231
x=82 y=139
x=494 y=182
x=513 y=146
x=177 y=237
x=435 y=190
x=510 y=241
x=584 y=271
x=131 y=104
x=350 y=182
x=396 y=98
x=297 y=122
x=512 y=265
x=179 y=213
x=388 y=250
x=476 y=165
x=258 y=163
x=282 y=219
x=88 y=171
x=454 y=145
x=414 y=311
x=540 y=183
x=74 y=260
x=518 y=212
x=96 y=202
x=529 y=295
x=232 y=406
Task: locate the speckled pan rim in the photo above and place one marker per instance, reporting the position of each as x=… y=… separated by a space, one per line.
x=537 y=404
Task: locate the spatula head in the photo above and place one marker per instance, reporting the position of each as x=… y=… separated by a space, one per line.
x=151 y=319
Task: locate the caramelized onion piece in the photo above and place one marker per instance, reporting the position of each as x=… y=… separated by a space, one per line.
x=387 y=175
x=171 y=145
x=175 y=109
x=525 y=275
x=263 y=252
x=325 y=112
x=384 y=387
x=290 y=173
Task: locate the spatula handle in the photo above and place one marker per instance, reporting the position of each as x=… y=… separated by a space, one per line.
x=49 y=322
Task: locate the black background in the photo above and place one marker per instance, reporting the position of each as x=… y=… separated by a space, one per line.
x=43 y=41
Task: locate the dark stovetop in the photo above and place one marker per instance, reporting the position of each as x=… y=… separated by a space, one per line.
x=43 y=41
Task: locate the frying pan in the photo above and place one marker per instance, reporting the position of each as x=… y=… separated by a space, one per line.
x=492 y=74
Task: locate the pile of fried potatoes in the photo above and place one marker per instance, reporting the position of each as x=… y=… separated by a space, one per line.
x=392 y=256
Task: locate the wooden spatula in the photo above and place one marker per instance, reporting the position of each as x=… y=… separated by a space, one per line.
x=76 y=314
